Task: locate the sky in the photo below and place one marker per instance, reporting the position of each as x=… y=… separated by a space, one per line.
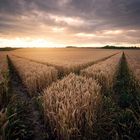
x=59 y=23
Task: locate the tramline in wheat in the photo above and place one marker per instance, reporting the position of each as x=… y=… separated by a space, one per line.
x=65 y=60
x=34 y=76
x=78 y=105
x=103 y=72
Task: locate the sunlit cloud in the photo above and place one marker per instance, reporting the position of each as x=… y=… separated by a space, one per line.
x=68 y=20
x=113 y=32
x=57 y=29
x=85 y=35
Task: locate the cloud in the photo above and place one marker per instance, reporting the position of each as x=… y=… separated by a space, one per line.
x=89 y=20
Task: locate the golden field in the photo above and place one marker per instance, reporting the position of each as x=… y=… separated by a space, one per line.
x=69 y=94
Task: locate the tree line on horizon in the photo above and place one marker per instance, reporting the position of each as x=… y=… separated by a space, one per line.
x=105 y=47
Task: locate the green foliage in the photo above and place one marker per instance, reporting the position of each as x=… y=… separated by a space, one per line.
x=108 y=104
x=128 y=124
x=19 y=123
x=125 y=100
x=38 y=103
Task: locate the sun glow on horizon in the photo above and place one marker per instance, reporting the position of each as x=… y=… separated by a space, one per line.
x=28 y=42
x=45 y=43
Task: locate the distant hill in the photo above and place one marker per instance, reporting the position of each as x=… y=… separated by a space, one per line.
x=120 y=47
x=82 y=47
x=8 y=49
x=71 y=47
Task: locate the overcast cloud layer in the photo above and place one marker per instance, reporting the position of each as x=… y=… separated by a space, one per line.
x=71 y=22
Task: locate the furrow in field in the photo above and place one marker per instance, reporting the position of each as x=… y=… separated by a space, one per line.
x=72 y=105
x=34 y=76
x=65 y=70
x=34 y=120
x=104 y=71
x=120 y=113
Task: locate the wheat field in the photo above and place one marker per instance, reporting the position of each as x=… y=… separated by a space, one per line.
x=70 y=104
x=97 y=95
x=33 y=75
x=103 y=72
x=133 y=61
x=64 y=59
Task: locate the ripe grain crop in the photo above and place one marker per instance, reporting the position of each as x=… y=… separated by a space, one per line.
x=133 y=60
x=3 y=66
x=3 y=63
x=66 y=60
x=104 y=72
x=70 y=106
x=34 y=76
x=4 y=80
